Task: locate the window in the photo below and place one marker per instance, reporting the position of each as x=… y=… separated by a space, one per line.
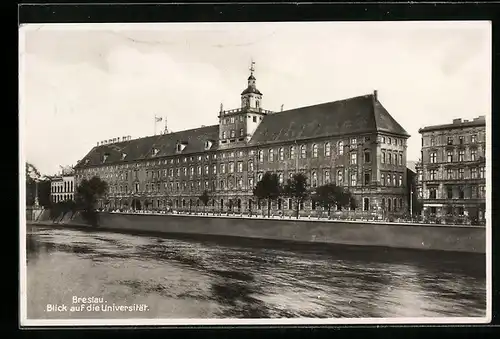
x=382 y=179
x=340 y=177
x=315 y=150
x=214 y=169
x=367 y=156
x=353 y=179
x=433 y=142
x=341 y=148
x=382 y=160
x=389 y=141
x=420 y=193
x=206 y=169
x=191 y=170
x=327 y=149
x=473 y=138
x=367 y=178
x=222 y=168
x=400 y=184
x=366 y=204
x=432 y=174
x=449 y=174
x=432 y=193
x=303 y=151
x=389 y=158
x=395 y=183
x=261 y=156
x=461 y=155
x=240 y=167
x=223 y=137
x=461 y=140
x=292 y=152
x=354 y=141
x=449 y=192
x=314 y=177
x=400 y=159
x=473 y=155
x=449 y=156
x=254 y=119
x=199 y=170
x=281 y=153
x=240 y=182
x=259 y=176
x=241 y=132
x=383 y=140
x=233 y=134
x=231 y=167
x=280 y=178
x=232 y=120
x=482 y=173
x=354 y=158
x=450 y=141
x=327 y=176
x=222 y=184
x=271 y=155
x=461 y=173
x=250 y=183
x=432 y=157
x=250 y=165
x=473 y=173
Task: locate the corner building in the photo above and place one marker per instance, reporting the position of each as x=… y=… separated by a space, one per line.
x=451 y=176
x=353 y=142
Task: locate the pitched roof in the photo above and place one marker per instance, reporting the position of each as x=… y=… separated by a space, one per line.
x=251 y=89
x=480 y=121
x=142 y=148
x=356 y=115
x=361 y=114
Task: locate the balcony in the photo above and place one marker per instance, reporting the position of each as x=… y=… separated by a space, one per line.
x=245 y=110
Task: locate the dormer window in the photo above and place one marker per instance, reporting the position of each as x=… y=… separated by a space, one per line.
x=105 y=156
x=124 y=155
x=208 y=144
x=155 y=151
x=180 y=146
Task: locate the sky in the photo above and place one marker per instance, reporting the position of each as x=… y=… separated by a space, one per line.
x=82 y=83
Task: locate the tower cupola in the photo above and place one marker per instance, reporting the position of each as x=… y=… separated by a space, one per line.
x=251 y=97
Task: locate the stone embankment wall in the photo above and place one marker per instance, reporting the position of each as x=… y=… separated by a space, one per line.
x=413 y=236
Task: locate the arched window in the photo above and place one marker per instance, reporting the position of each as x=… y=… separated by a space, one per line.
x=315 y=151
x=250 y=165
x=257 y=104
x=271 y=155
x=233 y=133
x=281 y=153
x=303 y=151
x=292 y=152
x=327 y=177
x=241 y=132
x=261 y=156
x=280 y=178
x=223 y=135
x=327 y=149
x=341 y=148
x=314 y=179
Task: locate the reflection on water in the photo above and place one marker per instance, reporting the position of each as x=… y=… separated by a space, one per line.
x=221 y=278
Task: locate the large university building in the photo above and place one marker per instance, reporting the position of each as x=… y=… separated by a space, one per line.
x=451 y=175
x=354 y=143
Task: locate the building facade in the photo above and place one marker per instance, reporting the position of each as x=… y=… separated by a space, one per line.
x=451 y=176
x=62 y=186
x=354 y=143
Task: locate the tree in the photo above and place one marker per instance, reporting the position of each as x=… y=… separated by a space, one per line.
x=204 y=198
x=87 y=195
x=268 y=188
x=330 y=195
x=296 y=189
x=44 y=193
x=32 y=176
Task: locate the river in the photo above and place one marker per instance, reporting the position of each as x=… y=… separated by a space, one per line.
x=174 y=277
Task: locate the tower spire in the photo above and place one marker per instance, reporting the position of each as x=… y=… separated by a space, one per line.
x=252 y=67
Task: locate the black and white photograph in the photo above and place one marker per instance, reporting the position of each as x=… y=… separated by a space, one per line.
x=255 y=173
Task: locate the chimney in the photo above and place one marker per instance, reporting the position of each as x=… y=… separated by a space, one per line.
x=457 y=121
x=282 y=107
x=375 y=95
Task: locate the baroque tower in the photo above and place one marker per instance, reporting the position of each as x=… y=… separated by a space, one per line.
x=236 y=126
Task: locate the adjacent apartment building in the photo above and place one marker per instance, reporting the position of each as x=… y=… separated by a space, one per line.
x=62 y=186
x=354 y=142
x=451 y=174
